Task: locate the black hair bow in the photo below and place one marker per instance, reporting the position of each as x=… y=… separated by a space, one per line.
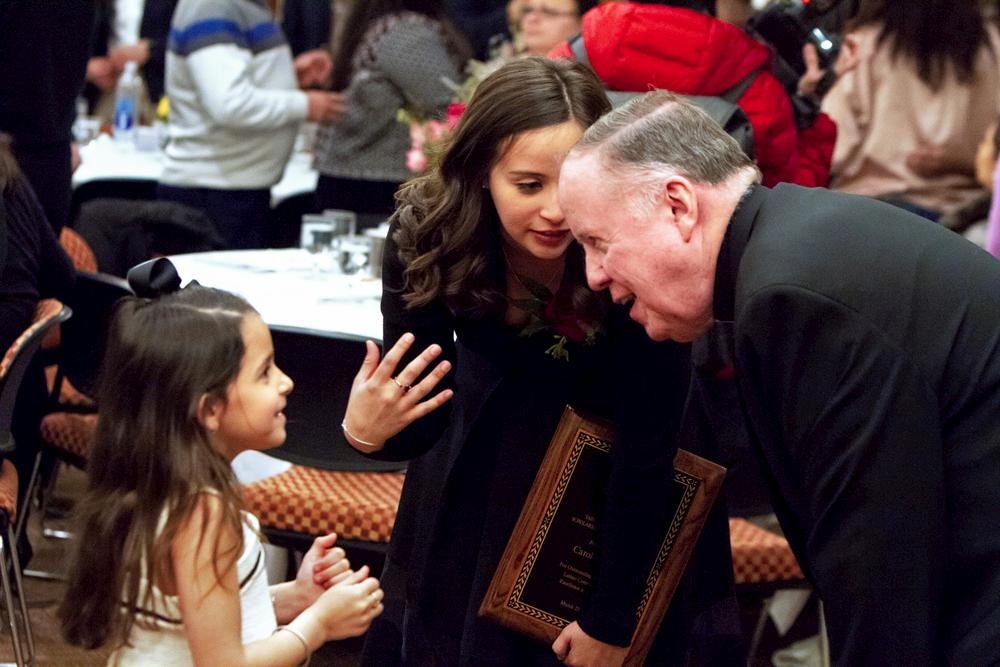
x=154 y=278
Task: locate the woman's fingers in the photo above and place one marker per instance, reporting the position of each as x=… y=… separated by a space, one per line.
x=425 y=386
x=390 y=360
x=408 y=376
x=430 y=405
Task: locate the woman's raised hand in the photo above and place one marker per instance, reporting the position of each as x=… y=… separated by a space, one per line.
x=384 y=402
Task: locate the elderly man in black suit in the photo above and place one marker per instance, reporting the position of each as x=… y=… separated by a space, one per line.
x=866 y=347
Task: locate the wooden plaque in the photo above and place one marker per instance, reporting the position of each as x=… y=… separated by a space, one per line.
x=547 y=568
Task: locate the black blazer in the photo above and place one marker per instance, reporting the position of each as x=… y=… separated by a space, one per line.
x=867 y=352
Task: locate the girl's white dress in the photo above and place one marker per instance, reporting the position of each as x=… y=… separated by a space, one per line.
x=157 y=636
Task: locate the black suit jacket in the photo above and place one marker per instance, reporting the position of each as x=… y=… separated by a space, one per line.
x=867 y=352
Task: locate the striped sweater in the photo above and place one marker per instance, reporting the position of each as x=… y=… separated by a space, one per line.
x=235 y=107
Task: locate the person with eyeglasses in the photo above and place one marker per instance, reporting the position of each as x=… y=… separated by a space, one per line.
x=544 y=24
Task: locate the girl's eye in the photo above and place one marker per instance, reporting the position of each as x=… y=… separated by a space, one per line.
x=529 y=186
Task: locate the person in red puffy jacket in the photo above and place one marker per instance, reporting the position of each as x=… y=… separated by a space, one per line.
x=635 y=46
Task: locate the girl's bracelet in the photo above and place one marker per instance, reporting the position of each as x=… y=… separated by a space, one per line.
x=295 y=633
x=351 y=436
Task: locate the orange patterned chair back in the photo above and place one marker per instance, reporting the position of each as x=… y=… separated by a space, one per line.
x=15 y=361
x=79 y=252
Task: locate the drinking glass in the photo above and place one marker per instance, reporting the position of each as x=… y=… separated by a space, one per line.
x=352 y=253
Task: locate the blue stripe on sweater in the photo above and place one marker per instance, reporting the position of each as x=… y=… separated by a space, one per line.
x=210 y=32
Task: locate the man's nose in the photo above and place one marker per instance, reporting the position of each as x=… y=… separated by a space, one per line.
x=597 y=278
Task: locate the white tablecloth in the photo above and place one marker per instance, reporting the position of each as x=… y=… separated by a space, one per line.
x=288 y=290
x=106 y=159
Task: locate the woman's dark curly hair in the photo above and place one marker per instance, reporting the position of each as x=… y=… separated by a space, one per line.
x=448 y=231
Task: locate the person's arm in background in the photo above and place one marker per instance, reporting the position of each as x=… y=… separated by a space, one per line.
x=306 y=24
x=102 y=72
x=155 y=29
x=222 y=76
x=221 y=73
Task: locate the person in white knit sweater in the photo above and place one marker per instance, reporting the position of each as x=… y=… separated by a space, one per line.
x=235 y=109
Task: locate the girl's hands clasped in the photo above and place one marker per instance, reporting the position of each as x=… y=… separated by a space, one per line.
x=348 y=608
x=383 y=402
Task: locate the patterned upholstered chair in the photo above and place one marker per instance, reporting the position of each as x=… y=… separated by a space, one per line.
x=762 y=558
x=48 y=315
x=302 y=503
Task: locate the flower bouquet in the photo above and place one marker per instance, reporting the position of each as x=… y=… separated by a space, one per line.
x=427 y=135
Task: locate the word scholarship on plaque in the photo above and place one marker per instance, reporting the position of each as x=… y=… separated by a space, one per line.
x=549 y=564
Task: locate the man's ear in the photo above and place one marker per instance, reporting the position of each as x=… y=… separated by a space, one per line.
x=679 y=194
x=209 y=412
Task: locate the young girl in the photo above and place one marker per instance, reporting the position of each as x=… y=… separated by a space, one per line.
x=170 y=568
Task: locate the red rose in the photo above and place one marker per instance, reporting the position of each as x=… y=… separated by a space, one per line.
x=454 y=114
x=564 y=320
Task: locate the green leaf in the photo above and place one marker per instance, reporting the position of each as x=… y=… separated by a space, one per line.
x=558 y=350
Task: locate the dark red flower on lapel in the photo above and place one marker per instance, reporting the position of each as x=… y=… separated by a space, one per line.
x=564 y=319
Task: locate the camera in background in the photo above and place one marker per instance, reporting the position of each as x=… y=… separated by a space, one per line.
x=788 y=25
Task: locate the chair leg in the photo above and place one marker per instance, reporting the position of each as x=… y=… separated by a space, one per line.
x=43 y=508
x=758 y=631
x=7 y=545
x=29 y=494
x=45 y=494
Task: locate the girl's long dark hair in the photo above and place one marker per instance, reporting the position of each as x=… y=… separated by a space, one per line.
x=448 y=229
x=361 y=16
x=151 y=456
x=935 y=34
